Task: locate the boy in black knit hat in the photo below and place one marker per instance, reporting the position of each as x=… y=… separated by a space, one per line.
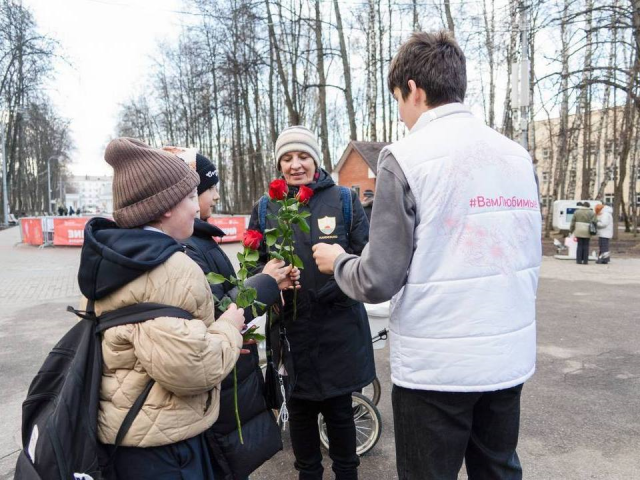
x=231 y=455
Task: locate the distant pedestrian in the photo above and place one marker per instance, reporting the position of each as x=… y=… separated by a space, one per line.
x=60 y=211
x=71 y=211
x=604 y=219
x=580 y=225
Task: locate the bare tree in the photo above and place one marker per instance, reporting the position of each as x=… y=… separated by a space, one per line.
x=322 y=90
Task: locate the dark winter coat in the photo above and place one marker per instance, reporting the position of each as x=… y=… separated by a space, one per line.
x=367 y=206
x=260 y=432
x=330 y=338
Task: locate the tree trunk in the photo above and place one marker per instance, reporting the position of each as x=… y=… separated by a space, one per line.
x=347 y=74
x=585 y=192
x=372 y=73
x=489 y=26
x=383 y=89
x=294 y=117
x=507 y=120
x=322 y=92
x=447 y=10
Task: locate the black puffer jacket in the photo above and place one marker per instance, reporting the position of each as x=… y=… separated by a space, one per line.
x=330 y=339
x=259 y=429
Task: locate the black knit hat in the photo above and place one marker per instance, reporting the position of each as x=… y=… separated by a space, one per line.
x=207 y=171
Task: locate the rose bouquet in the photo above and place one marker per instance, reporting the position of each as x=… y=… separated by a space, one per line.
x=279 y=240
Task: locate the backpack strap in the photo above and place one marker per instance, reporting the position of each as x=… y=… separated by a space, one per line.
x=345 y=196
x=137 y=313
x=262 y=212
x=132 y=414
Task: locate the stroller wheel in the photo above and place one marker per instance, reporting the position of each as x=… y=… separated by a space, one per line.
x=368 y=424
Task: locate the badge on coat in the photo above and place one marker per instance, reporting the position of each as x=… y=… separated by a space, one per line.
x=327 y=225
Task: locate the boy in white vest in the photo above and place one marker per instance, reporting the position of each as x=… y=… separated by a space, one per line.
x=455 y=240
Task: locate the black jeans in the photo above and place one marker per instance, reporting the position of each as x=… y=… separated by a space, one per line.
x=305 y=438
x=582 y=254
x=436 y=431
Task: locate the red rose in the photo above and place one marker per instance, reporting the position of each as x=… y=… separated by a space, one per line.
x=252 y=239
x=278 y=189
x=304 y=194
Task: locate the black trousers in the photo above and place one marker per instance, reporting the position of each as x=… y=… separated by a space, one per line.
x=604 y=255
x=436 y=431
x=305 y=438
x=582 y=254
x=186 y=460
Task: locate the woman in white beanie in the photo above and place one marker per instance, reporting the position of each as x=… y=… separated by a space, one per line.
x=330 y=337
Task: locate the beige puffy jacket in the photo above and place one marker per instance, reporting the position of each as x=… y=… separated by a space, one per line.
x=187 y=358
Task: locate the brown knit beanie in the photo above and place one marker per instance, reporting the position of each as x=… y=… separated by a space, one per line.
x=147 y=182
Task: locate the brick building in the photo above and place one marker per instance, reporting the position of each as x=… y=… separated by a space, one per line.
x=358 y=166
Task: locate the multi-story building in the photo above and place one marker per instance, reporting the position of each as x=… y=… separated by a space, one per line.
x=601 y=151
x=92 y=194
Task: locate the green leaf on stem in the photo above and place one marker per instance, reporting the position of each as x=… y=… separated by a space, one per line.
x=215 y=278
x=258 y=337
x=246 y=297
x=252 y=256
x=276 y=255
x=240 y=258
x=303 y=225
x=271 y=236
x=297 y=261
x=223 y=304
x=304 y=213
x=242 y=274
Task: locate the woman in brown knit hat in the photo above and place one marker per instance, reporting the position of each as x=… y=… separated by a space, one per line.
x=138 y=259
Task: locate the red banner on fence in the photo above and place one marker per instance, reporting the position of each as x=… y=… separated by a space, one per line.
x=32 y=231
x=233 y=227
x=69 y=231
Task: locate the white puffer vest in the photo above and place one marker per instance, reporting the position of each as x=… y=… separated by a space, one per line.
x=465 y=320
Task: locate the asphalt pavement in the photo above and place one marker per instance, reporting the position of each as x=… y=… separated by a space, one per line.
x=580 y=411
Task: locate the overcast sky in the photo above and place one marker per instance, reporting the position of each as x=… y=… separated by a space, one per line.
x=108 y=47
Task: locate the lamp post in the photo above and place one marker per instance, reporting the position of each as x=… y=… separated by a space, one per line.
x=49 y=179
x=5 y=195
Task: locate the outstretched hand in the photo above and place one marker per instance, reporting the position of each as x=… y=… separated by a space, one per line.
x=325 y=256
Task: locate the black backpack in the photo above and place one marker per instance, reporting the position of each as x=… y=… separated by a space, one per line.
x=60 y=414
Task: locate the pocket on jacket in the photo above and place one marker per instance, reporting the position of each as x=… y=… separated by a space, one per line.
x=345 y=302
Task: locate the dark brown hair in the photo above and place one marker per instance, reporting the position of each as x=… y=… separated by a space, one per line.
x=435 y=62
